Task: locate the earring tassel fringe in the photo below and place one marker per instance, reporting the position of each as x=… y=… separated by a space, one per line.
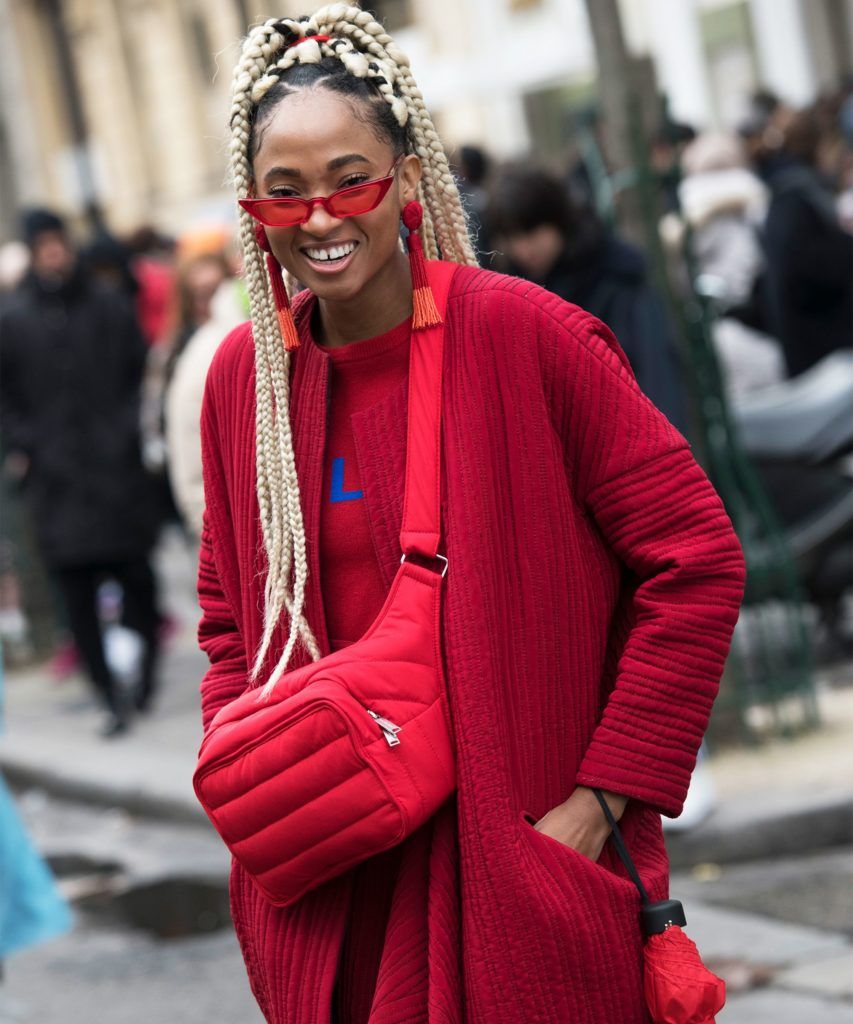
x=289 y=334
x=424 y=310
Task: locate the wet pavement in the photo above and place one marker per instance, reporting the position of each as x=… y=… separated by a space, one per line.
x=148 y=877
x=153 y=944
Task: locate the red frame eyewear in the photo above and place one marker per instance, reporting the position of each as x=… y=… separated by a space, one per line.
x=289 y=211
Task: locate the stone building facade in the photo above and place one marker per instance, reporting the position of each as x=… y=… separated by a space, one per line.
x=123 y=103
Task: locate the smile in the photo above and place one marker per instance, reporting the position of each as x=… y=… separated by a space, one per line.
x=330 y=254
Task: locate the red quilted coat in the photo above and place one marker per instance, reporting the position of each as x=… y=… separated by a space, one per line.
x=594 y=584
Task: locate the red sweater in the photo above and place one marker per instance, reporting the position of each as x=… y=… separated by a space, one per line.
x=361 y=375
x=594 y=582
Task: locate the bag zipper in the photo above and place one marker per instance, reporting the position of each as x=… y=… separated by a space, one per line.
x=389 y=730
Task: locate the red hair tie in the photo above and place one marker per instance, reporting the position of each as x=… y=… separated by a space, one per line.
x=304 y=39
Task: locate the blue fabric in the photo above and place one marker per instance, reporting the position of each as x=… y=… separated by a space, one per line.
x=338 y=492
x=31 y=908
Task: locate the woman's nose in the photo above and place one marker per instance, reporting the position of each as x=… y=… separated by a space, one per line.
x=321 y=222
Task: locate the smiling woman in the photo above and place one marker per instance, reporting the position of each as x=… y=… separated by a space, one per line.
x=593 y=582
x=324 y=183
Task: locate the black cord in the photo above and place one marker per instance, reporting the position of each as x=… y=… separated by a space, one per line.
x=622 y=849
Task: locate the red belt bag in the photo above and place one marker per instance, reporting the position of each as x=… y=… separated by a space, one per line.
x=353 y=752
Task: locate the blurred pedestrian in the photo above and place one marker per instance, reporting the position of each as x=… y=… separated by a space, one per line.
x=152 y=265
x=14 y=263
x=184 y=397
x=593 y=584
x=667 y=148
x=109 y=260
x=201 y=269
x=32 y=910
x=762 y=130
x=548 y=238
x=809 y=254
x=473 y=167
x=71 y=359
x=725 y=203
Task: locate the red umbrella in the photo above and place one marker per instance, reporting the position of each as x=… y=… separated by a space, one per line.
x=679 y=987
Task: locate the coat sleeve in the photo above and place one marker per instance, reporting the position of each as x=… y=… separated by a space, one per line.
x=218 y=637
x=634 y=474
x=219 y=634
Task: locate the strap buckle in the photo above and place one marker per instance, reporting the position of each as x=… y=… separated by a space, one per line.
x=440 y=558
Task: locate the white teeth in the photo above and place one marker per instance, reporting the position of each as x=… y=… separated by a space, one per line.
x=335 y=253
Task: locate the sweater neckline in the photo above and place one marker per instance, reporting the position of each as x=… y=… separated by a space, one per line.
x=366 y=348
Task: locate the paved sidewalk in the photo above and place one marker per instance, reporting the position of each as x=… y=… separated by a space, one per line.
x=791 y=797
x=785 y=796
x=775 y=973
x=51 y=740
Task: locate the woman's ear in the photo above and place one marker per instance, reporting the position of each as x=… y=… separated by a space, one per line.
x=410 y=176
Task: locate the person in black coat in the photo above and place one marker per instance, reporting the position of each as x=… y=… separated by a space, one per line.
x=71 y=363
x=809 y=256
x=548 y=238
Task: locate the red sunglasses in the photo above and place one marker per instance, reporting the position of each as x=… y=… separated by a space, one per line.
x=288 y=211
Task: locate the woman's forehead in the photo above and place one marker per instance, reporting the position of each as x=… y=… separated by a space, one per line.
x=311 y=128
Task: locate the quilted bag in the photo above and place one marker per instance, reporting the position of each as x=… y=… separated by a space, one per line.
x=351 y=753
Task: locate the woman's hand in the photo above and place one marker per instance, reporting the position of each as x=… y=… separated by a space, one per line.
x=579 y=822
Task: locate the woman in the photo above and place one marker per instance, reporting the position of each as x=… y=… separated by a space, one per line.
x=593 y=585
x=809 y=288
x=551 y=239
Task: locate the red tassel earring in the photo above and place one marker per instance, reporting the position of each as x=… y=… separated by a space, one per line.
x=424 y=311
x=289 y=334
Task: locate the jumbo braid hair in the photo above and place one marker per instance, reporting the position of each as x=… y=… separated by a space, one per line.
x=358 y=48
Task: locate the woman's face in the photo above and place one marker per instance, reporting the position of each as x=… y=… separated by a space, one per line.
x=535 y=251
x=202 y=279
x=311 y=145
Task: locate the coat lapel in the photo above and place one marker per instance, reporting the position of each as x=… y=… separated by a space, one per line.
x=309 y=391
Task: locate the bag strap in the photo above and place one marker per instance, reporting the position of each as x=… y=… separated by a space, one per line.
x=422 y=504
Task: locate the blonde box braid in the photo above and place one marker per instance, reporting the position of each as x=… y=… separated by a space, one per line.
x=364 y=48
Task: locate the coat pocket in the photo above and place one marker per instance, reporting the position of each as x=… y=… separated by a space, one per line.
x=575 y=861
x=592 y=916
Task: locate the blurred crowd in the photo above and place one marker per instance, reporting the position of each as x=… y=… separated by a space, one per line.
x=104 y=353
x=105 y=345
x=760 y=221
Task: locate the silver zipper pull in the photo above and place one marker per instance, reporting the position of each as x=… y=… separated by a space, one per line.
x=389 y=730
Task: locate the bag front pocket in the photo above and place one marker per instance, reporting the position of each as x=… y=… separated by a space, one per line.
x=300 y=801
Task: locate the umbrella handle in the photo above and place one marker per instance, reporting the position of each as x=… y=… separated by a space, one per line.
x=655 y=917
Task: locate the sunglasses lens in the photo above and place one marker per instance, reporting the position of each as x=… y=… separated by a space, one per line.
x=277 y=213
x=348 y=202
x=284 y=213
x=358 y=199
